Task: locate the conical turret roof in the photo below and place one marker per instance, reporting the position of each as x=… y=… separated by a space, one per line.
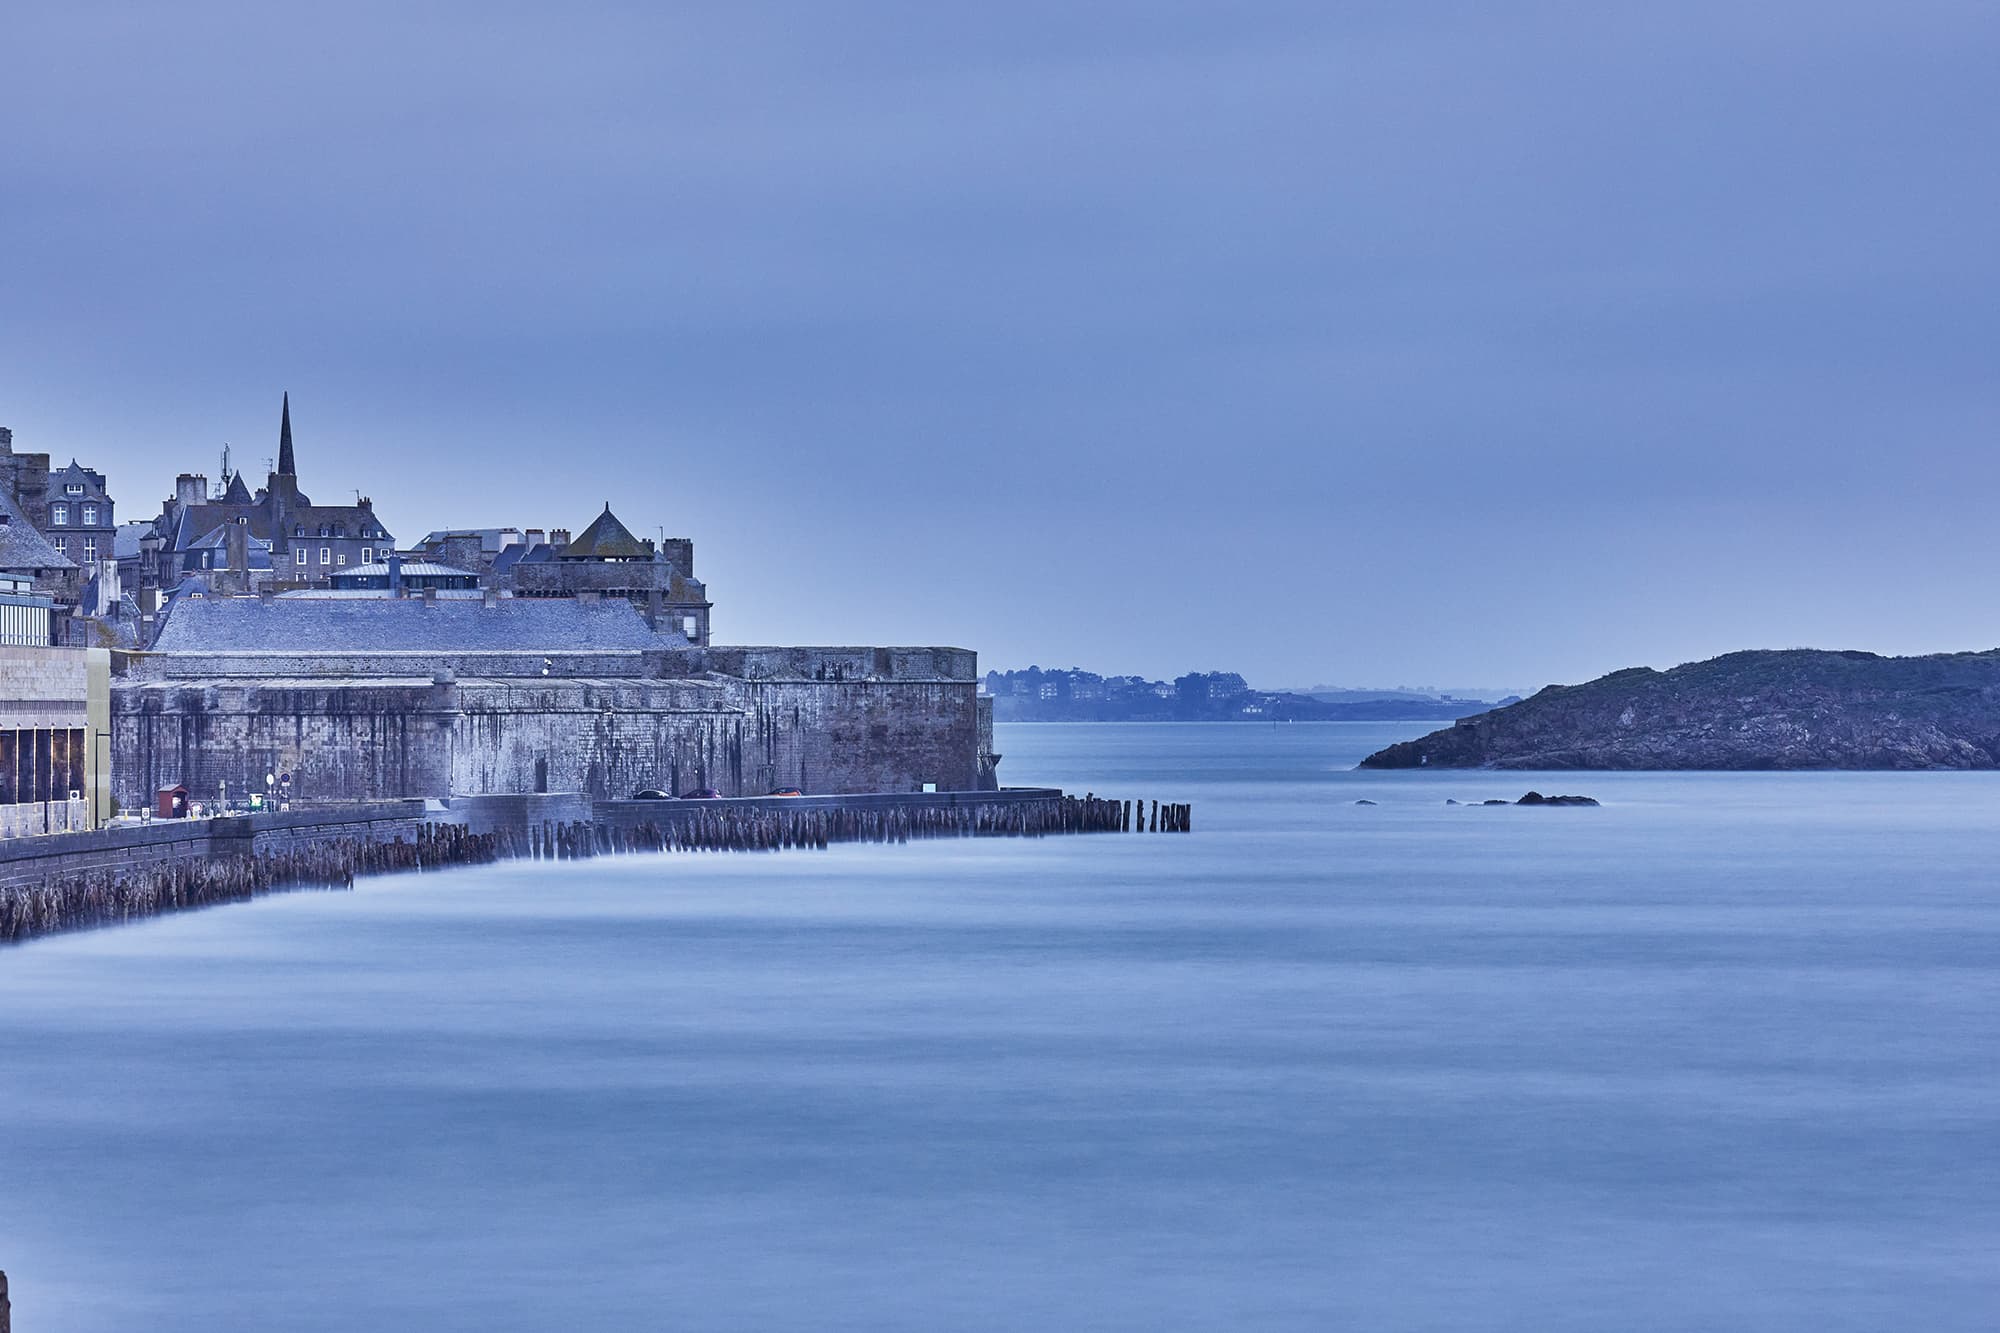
x=607 y=539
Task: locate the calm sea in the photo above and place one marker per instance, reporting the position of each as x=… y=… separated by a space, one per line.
x=1722 y=1054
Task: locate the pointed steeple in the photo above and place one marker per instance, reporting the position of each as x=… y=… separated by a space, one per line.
x=286 y=466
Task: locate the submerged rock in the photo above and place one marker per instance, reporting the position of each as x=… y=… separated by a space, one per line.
x=1364 y=802
x=1536 y=798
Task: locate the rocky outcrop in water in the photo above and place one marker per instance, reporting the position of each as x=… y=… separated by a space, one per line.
x=1788 y=709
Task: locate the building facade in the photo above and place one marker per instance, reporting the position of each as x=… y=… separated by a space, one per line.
x=300 y=543
x=55 y=735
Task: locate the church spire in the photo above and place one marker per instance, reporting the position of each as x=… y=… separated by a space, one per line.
x=286 y=467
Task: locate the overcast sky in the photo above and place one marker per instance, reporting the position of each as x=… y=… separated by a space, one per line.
x=1353 y=342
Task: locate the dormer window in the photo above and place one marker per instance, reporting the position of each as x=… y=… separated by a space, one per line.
x=74 y=488
x=59 y=516
x=299 y=530
x=324 y=531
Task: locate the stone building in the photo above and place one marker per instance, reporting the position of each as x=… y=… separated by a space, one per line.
x=25 y=478
x=382 y=697
x=61 y=534
x=80 y=524
x=302 y=543
x=31 y=561
x=607 y=560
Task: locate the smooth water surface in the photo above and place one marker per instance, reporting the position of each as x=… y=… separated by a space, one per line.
x=1724 y=1053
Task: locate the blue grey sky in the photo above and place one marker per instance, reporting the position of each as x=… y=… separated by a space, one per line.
x=1363 y=342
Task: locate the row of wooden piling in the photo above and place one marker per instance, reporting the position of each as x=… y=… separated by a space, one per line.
x=775 y=828
x=104 y=896
x=100 y=897
x=1167 y=817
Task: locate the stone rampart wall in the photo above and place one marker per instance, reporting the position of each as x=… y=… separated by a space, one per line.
x=367 y=740
x=336 y=665
x=901 y=664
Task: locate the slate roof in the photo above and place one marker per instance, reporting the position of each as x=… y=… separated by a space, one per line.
x=125 y=541
x=321 y=624
x=510 y=556
x=237 y=493
x=606 y=539
x=91 y=480
x=21 y=546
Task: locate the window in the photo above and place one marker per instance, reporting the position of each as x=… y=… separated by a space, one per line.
x=89 y=550
x=299 y=530
x=324 y=532
x=367 y=556
x=62 y=546
x=90 y=516
x=326 y=555
x=59 y=515
x=74 y=488
x=340 y=559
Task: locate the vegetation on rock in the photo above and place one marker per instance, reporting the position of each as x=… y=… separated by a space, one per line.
x=1785 y=709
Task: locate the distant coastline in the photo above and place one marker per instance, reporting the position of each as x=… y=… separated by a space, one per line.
x=1076 y=695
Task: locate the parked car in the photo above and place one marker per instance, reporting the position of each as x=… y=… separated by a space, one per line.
x=702 y=794
x=785 y=791
x=650 y=794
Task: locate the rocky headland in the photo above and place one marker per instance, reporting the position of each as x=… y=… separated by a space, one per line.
x=1785 y=709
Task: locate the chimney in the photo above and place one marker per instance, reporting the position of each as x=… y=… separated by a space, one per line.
x=559 y=537
x=489 y=598
x=430 y=598
x=238 y=538
x=395 y=575
x=266 y=593
x=191 y=488
x=6 y=440
x=535 y=537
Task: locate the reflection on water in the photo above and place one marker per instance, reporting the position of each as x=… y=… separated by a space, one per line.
x=1719 y=1054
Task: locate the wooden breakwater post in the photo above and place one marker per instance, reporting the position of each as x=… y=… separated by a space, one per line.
x=107 y=894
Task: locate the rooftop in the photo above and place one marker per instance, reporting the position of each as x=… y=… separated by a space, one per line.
x=321 y=624
x=607 y=539
x=21 y=547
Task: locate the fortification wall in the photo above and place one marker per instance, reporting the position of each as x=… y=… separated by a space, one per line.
x=335 y=664
x=901 y=664
x=377 y=739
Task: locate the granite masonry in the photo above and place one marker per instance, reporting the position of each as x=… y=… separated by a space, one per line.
x=434 y=697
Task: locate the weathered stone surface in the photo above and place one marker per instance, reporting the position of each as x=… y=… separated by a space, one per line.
x=1790 y=709
x=827 y=720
